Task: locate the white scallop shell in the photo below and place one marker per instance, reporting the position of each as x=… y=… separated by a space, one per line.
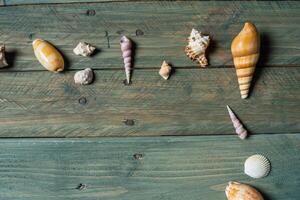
x=257 y=166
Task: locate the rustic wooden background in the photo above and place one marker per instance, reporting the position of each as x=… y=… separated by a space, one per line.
x=57 y=135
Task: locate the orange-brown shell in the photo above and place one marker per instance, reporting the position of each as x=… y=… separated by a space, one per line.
x=48 y=56
x=245 y=51
x=240 y=191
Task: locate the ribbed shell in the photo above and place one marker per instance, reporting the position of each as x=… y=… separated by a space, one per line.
x=127 y=54
x=245 y=51
x=48 y=56
x=257 y=166
x=240 y=191
x=197 y=45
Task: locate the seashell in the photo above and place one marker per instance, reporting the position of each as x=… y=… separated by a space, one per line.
x=240 y=191
x=84 y=77
x=197 y=45
x=245 y=51
x=3 y=62
x=165 y=70
x=239 y=128
x=48 y=56
x=127 y=54
x=257 y=166
x=84 y=49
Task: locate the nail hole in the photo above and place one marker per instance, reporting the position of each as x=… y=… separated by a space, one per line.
x=82 y=100
x=126 y=83
x=81 y=186
x=128 y=122
x=139 y=32
x=137 y=156
x=90 y=12
x=30 y=36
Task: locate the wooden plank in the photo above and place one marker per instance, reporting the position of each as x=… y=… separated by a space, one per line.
x=159 y=29
x=192 y=102
x=169 y=168
x=27 y=2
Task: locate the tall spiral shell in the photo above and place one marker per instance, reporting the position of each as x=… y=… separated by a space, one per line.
x=245 y=51
x=127 y=54
x=239 y=128
x=240 y=191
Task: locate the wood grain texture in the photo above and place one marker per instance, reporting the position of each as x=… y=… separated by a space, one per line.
x=26 y=2
x=159 y=29
x=192 y=102
x=170 y=167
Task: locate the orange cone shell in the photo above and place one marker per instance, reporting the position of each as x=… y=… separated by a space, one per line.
x=48 y=56
x=245 y=51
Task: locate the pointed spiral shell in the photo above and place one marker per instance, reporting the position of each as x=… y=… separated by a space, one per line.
x=245 y=51
x=3 y=62
x=240 y=191
x=126 y=48
x=239 y=128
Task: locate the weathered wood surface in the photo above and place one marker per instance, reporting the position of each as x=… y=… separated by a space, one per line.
x=26 y=2
x=191 y=102
x=170 y=167
x=159 y=29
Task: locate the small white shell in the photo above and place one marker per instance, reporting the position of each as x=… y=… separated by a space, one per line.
x=84 y=77
x=84 y=49
x=257 y=166
x=165 y=70
x=3 y=62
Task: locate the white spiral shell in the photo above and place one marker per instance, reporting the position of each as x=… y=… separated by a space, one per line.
x=257 y=166
x=126 y=48
x=197 y=45
x=238 y=126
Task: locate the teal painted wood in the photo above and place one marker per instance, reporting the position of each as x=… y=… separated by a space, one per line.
x=26 y=2
x=159 y=29
x=191 y=102
x=170 y=167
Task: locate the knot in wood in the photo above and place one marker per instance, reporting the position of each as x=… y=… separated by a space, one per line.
x=82 y=100
x=128 y=122
x=90 y=12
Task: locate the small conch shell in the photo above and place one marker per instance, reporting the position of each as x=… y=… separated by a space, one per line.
x=3 y=62
x=239 y=128
x=48 y=56
x=165 y=70
x=240 y=191
x=197 y=44
x=127 y=54
x=84 y=49
x=245 y=51
x=84 y=77
x=257 y=166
